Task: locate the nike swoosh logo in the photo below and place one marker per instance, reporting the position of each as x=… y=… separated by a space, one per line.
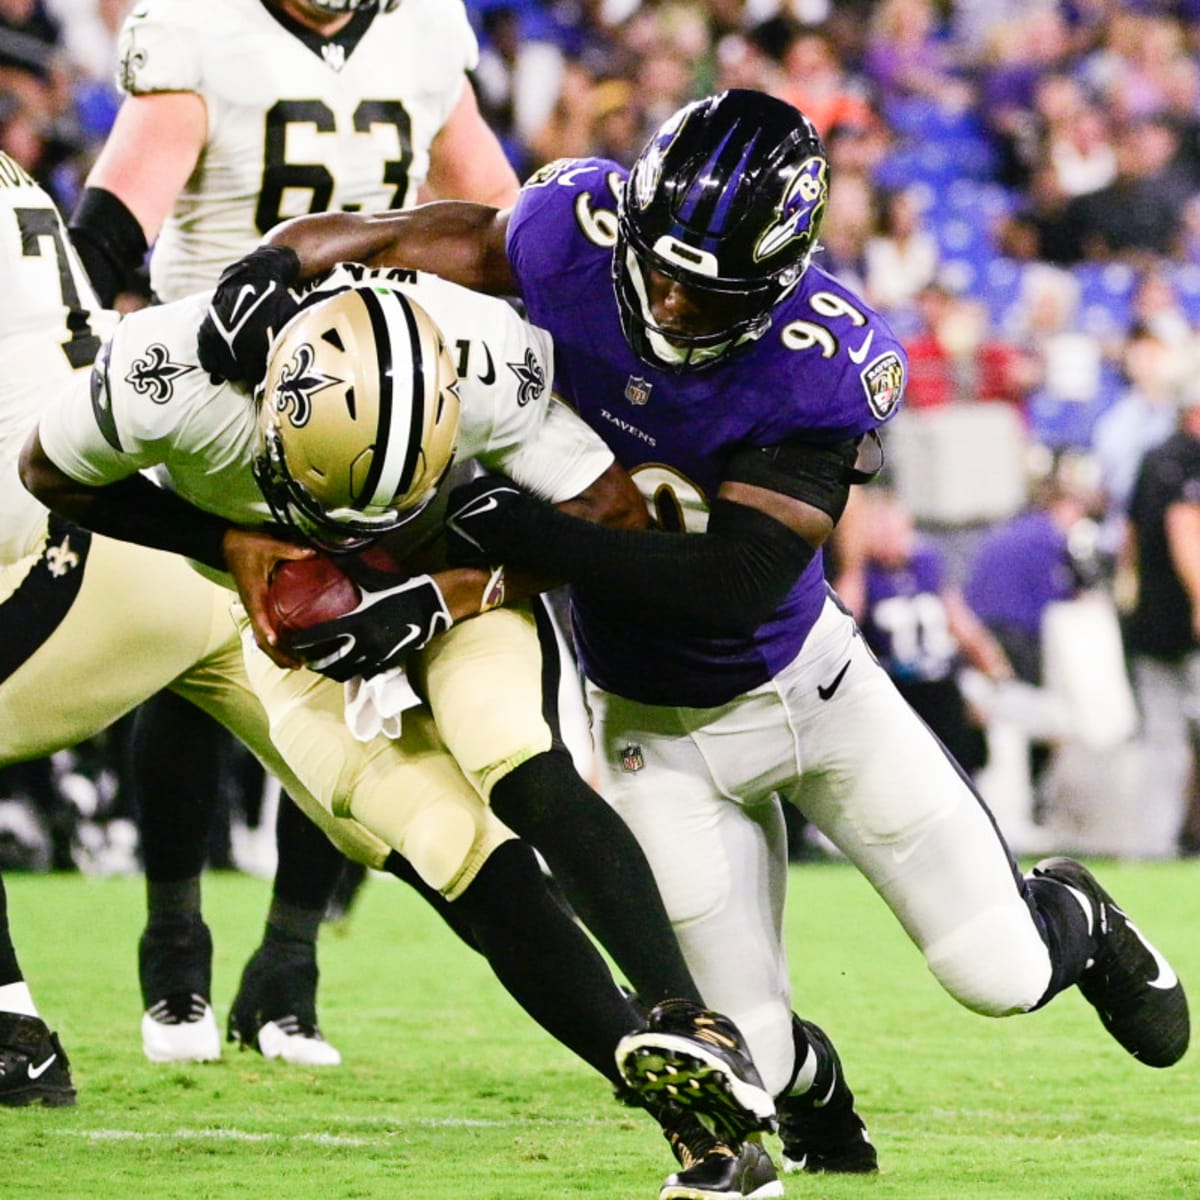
x=484 y=504
x=1166 y=978
x=826 y=693
x=40 y=1070
x=828 y=1095
x=247 y=293
x=237 y=317
x=415 y=633
x=489 y=375
x=858 y=356
x=344 y=644
x=567 y=178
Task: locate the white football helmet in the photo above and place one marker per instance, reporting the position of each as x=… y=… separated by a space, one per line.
x=357 y=417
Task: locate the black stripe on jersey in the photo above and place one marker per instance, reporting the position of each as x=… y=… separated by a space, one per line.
x=551 y=669
x=40 y=604
x=102 y=408
x=347 y=37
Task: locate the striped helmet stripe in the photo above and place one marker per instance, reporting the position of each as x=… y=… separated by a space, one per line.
x=401 y=400
x=707 y=215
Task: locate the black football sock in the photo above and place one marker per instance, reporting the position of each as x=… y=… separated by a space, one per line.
x=544 y=960
x=309 y=865
x=10 y=972
x=602 y=870
x=174 y=758
x=452 y=914
x=172 y=901
x=1065 y=928
x=289 y=923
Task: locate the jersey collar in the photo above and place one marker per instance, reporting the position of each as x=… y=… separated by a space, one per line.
x=347 y=37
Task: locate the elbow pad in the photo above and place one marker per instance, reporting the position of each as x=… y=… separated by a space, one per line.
x=820 y=475
x=109 y=241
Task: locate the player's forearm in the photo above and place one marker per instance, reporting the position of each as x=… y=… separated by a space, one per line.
x=133 y=510
x=454 y=239
x=727 y=581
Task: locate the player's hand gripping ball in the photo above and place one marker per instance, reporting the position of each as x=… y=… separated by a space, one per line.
x=354 y=616
x=309 y=591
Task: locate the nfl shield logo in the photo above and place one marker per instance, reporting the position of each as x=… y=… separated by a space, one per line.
x=631 y=759
x=637 y=390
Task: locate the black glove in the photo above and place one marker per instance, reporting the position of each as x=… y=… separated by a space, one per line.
x=252 y=303
x=483 y=521
x=392 y=620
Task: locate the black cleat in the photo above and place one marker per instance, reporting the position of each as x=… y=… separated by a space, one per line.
x=1128 y=981
x=699 y=1060
x=275 y=1009
x=725 y=1174
x=819 y=1128
x=175 y=973
x=711 y=1169
x=33 y=1065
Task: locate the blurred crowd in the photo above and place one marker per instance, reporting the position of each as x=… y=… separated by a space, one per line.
x=1016 y=184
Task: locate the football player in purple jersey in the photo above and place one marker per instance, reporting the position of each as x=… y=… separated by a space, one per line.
x=742 y=386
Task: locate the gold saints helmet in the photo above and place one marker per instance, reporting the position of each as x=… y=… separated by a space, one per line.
x=357 y=417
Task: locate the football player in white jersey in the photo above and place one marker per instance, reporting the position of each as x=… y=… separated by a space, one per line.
x=382 y=381
x=237 y=114
x=93 y=626
x=259 y=110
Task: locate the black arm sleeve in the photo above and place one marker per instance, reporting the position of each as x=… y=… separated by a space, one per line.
x=109 y=241
x=136 y=510
x=727 y=581
x=817 y=474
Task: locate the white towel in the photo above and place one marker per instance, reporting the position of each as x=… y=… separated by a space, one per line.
x=375 y=705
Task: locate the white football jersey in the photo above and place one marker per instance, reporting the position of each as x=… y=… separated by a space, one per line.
x=51 y=326
x=296 y=123
x=152 y=407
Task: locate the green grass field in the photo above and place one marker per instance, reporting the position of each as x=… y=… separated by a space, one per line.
x=449 y=1092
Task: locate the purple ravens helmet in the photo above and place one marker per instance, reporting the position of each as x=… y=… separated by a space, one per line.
x=726 y=198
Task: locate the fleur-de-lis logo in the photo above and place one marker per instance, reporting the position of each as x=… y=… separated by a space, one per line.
x=61 y=558
x=531 y=378
x=154 y=374
x=132 y=60
x=334 y=54
x=299 y=382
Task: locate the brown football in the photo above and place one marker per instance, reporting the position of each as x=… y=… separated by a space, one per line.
x=308 y=591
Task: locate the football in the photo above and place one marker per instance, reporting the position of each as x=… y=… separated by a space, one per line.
x=308 y=591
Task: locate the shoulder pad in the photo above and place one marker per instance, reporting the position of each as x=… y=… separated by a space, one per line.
x=159 y=49
x=151 y=370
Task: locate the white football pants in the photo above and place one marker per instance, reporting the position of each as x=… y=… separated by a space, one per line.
x=699 y=789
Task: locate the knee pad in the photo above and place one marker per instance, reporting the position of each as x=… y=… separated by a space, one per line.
x=995 y=964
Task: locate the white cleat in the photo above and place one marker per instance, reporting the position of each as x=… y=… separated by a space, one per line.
x=286 y=1039
x=180 y=1029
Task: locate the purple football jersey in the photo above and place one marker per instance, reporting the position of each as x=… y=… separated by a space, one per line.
x=906 y=622
x=829 y=368
x=1019 y=568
